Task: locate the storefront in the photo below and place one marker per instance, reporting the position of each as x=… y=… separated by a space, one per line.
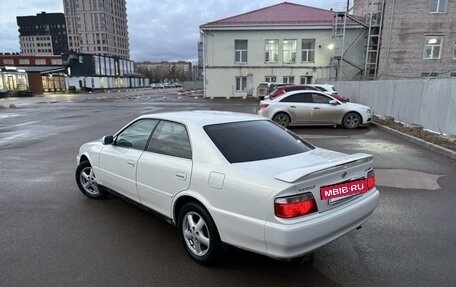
x=53 y=82
x=13 y=79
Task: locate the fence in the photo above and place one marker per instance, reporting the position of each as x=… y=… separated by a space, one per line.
x=427 y=102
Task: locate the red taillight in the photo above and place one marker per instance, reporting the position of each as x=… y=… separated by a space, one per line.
x=263 y=106
x=370 y=179
x=294 y=206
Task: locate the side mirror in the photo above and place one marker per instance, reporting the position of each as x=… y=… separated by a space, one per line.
x=333 y=102
x=108 y=140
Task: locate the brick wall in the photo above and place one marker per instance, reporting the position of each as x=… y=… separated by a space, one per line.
x=405 y=26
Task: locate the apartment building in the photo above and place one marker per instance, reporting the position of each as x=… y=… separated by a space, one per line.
x=43 y=34
x=97 y=27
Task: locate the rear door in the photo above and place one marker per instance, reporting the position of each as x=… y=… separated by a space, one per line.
x=165 y=168
x=299 y=106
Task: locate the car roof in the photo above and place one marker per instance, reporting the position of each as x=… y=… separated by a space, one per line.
x=289 y=93
x=204 y=117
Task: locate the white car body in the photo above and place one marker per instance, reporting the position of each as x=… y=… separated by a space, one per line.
x=303 y=113
x=238 y=196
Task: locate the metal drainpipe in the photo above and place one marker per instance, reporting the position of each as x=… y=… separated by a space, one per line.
x=389 y=38
x=204 y=63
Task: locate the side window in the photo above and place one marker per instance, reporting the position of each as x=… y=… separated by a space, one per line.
x=320 y=99
x=171 y=139
x=136 y=135
x=298 y=98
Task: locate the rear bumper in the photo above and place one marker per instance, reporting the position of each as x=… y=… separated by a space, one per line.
x=286 y=241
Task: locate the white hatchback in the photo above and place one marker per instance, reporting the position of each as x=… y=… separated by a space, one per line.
x=231 y=178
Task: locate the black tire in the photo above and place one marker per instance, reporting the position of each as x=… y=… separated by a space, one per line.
x=282 y=119
x=85 y=178
x=351 y=120
x=203 y=244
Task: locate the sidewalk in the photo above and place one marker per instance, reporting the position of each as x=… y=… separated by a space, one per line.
x=63 y=97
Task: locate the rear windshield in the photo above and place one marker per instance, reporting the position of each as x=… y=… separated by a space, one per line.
x=255 y=140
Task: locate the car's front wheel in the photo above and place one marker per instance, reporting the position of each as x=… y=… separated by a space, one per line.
x=351 y=120
x=87 y=182
x=199 y=234
x=282 y=119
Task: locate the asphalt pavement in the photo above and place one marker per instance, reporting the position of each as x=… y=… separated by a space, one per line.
x=51 y=235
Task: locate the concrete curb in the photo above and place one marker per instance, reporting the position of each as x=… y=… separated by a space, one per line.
x=430 y=146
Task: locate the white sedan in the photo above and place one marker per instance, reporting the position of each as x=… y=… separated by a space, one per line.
x=232 y=178
x=307 y=107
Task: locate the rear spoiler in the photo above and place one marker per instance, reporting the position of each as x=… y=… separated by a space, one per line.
x=324 y=166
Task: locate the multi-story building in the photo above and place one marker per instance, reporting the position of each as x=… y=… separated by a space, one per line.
x=97 y=27
x=418 y=37
x=90 y=72
x=287 y=43
x=43 y=34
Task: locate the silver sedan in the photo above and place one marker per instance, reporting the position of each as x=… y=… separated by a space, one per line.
x=314 y=108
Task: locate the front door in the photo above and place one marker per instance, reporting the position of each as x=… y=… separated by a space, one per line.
x=118 y=162
x=324 y=112
x=11 y=85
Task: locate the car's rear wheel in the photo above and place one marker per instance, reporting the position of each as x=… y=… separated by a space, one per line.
x=199 y=234
x=282 y=119
x=87 y=182
x=351 y=120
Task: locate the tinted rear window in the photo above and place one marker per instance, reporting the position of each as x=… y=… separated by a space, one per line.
x=254 y=140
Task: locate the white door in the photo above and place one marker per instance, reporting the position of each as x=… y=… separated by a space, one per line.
x=118 y=162
x=165 y=168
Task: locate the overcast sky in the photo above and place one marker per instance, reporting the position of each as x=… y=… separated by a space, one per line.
x=158 y=29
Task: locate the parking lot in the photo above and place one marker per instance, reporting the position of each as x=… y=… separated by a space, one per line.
x=51 y=235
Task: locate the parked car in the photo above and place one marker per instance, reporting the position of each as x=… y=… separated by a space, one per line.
x=158 y=86
x=265 y=89
x=330 y=90
x=169 y=85
x=232 y=178
x=288 y=88
x=314 y=108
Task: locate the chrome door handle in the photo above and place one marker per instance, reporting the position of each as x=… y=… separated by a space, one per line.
x=293 y=107
x=131 y=163
x=181 y=175
x=316 y=108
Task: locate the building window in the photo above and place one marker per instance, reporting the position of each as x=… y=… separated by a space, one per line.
x=240 y=51
x=56 y=61
x=270 y=79
x=429 y=75
x=241 y=84
x=308 y=50
x=306 y=80
x=24 y=62
x=40 y=61
x=433 y=47
x=271 y=49
x=8 y=62
x=452 y=75
x=288 y=80
x=289 y=51
x=437 y=6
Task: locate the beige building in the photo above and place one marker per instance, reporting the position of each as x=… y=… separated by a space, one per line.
x=97 y=27
x=295 y=45
x=418 y=38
